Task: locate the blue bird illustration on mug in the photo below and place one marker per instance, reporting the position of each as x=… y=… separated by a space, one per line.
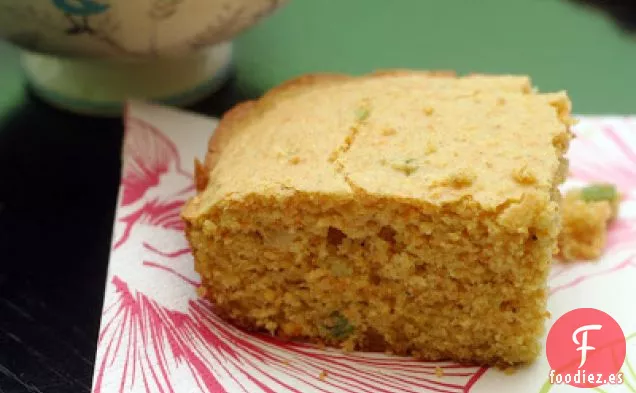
x=82 y=9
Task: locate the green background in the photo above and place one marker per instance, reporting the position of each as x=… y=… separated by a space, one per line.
x=562 y=45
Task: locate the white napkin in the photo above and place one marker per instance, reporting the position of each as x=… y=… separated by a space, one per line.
x=157 y=336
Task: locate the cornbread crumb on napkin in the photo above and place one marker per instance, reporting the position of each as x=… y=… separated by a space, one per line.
x=587 y=213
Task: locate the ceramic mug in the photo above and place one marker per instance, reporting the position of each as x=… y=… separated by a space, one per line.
x=91 y=55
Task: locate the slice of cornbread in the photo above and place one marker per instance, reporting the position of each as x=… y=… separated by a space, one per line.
x=403 y=211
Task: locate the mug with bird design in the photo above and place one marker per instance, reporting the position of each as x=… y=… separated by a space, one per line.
x=91 y=55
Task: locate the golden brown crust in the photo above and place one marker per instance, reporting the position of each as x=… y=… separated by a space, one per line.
x=406 y=72
x=304 y=81
x=231 y=120
x=223 y=133
x=201 y=175
x=240 y=117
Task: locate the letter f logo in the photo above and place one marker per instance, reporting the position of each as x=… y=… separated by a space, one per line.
x=583 y=344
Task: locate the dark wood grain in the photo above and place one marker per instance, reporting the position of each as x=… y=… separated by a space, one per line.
x=59 y=175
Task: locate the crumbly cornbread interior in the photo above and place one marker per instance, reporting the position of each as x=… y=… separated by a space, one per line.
x=408 y=212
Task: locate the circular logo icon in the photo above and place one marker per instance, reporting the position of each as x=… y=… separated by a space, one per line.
x=586 y=348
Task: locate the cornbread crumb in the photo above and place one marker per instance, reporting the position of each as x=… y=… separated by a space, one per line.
x=285 y=362
x=406 y=166
x=523 y=175
x=430 y=148
x=510 y=370
x=271 y=326
x=200 y=174
x=289 y=155
x=209 y=228
x=269 y=295
x=428 y=111
x=359 y=257
x=439 y=372
x=362 y=113
x=600 y=192
x=461 y=178
x=323 y=375
x=586 y=214
x=388 y=131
